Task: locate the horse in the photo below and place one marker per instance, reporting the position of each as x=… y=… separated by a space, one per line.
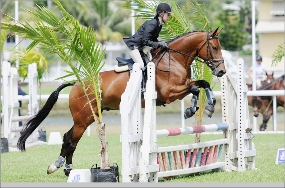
x=269 y=78
x=264 y=104
x=173 y=81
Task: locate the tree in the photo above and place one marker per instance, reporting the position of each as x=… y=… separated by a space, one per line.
x=25 y=58
x=278 y=54
x=107 y=18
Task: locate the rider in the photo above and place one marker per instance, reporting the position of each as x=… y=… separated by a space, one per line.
x=148 y=33
x=259 y=71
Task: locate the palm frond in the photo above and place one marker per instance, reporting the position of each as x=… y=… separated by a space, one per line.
x=197 y=16
x=3 y=38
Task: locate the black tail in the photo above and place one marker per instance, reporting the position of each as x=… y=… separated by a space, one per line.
x=34 y=122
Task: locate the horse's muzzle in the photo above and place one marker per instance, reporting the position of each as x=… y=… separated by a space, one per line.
x=221 y=73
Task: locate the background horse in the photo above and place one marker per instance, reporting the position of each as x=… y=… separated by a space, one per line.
x=173 y=81
x=264 y=104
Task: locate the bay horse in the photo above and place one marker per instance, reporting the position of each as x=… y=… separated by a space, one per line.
x=173 y=81
x=264 y=104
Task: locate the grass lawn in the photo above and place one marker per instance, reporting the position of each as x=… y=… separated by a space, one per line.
x=31 y=166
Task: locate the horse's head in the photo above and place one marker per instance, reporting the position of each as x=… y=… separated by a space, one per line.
x=210 y=51
x=256 y=104
x=269 y=78
x=249 y=87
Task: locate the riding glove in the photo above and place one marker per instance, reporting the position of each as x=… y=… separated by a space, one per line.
x=163 y=44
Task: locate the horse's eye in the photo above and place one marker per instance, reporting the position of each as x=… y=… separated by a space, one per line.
x=214 y=47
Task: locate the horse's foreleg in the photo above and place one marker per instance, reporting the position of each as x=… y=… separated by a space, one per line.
x=266 y=117
x=189 y=112
x=210 y=108
x=179 y=92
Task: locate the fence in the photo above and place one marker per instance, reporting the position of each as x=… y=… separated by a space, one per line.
x=10 y=103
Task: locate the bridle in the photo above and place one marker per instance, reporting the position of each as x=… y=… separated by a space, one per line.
x=210 y=63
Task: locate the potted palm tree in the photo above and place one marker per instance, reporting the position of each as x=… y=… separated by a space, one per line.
x=78 y=48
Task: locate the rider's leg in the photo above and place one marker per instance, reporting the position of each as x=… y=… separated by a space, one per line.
x=258 y=83
x=136 y=56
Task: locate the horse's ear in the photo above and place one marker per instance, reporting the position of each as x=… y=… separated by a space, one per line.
x=219 y=31
x=214 y=33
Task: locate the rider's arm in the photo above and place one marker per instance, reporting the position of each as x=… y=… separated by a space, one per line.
x=249 y=73
x=148 y=38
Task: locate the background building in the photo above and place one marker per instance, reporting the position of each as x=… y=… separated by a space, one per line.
x=270 y=29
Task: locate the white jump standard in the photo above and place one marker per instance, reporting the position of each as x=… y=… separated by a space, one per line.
x=144 y=161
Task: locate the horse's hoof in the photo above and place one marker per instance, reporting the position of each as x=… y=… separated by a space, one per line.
x=67 y=172
x=188 y=113
x=209 y=110
x=51 y=168
x=209 y=114
x=262 y=127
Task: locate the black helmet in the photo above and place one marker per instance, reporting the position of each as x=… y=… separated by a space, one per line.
x=258 y=58
x=164 y=7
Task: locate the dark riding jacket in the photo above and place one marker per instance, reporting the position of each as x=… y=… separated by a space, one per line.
x=146 y=35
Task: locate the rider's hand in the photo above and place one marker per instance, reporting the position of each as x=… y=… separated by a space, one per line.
x=163 y=44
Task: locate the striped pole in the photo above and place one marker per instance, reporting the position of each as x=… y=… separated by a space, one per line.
x=192 y=130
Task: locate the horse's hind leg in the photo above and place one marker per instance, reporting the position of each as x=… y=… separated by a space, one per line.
x=70 y=141
x=61 y=159
x=82 y=117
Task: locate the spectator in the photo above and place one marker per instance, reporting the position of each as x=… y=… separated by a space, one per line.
x=20 y=92
x=259 y=71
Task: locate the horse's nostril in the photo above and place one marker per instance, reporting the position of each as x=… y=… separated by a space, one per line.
x=221 y=73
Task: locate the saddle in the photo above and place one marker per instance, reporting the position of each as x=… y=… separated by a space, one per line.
x=126 y=64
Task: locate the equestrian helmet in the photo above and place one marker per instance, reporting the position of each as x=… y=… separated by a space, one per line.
x=164 y=7
x=258 y=58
